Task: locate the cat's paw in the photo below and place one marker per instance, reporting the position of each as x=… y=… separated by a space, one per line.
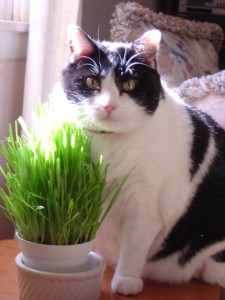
x=127 y=285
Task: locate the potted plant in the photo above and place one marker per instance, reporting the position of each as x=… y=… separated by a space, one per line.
x=55 y=197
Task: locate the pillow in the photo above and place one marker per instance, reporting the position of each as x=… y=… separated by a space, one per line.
x=183 y=42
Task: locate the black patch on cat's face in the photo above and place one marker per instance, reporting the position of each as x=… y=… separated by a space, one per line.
x=75 y=74
x=124 y=64
x=203 y=224
x=219 y=257
x=148 y=91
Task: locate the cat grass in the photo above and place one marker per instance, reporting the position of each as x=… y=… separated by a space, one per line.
x=54 y=191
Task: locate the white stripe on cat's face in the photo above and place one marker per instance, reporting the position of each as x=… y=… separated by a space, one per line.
x=111 y=111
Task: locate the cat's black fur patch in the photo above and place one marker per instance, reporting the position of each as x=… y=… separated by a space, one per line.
x=201 y=135
x=203 y=224
x=147 y=93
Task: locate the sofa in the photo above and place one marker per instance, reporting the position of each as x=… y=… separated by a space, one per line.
x=188 y=54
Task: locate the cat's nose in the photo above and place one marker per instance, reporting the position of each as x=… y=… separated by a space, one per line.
x=109 y=107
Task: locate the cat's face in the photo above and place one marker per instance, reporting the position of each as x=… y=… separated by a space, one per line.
x=113 y=85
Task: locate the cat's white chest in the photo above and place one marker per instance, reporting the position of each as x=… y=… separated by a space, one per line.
x=154 y=184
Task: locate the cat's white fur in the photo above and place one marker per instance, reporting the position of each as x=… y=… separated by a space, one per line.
x=156 y=149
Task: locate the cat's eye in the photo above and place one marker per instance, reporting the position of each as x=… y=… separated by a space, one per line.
x=129 y=85
x=93 y=83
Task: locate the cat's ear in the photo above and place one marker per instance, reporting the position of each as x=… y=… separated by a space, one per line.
x=80 y=44
x=148 y=45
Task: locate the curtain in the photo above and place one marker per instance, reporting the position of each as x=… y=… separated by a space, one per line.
x=47 y=48
x=47 y=54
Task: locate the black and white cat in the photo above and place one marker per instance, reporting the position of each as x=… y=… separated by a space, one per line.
x=169 y=223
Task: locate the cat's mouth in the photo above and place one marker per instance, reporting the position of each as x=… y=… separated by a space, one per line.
x=96 y=131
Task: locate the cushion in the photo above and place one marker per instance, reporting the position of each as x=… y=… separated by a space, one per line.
x=207 y=93
x=183 y=42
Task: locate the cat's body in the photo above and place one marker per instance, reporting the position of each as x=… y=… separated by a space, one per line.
x=169 y=222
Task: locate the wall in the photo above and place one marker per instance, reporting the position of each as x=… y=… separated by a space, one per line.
x=96 y=15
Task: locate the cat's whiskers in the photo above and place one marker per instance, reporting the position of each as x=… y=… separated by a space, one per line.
x=86 y=65
x=74 y=95
x=99 y=59
x=99 y=67
x=120 y=57
x=128 y=68
x=133 y=57
x=93 y=64
x=84 y=119
x=124 y=57
x=87 y=122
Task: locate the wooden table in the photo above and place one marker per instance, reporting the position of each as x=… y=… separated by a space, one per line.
x=196 y=290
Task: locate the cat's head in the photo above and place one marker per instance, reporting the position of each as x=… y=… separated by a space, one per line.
x=114 y=86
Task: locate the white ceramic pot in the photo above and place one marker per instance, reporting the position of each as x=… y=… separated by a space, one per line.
x=52 y=258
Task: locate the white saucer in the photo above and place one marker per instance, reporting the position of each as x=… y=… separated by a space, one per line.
x=37 y=285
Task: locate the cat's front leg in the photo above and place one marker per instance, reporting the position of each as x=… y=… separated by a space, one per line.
x=138 y=236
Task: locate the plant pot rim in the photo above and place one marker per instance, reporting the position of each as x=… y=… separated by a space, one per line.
x=55 y=258
x=83 y=275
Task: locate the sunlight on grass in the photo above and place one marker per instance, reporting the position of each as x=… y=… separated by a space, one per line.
x=54 y=191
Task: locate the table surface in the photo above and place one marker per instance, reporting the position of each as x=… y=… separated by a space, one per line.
x=195 y=290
